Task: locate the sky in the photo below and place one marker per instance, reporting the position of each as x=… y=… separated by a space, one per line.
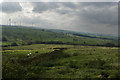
x=90 y=17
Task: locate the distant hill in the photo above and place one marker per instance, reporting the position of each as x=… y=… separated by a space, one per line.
x=91 y=35
x=20 y=35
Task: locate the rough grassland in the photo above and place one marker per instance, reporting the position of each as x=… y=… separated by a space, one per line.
x=60 y=61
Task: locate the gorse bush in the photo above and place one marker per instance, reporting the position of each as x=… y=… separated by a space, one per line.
x=109 y=44
x=73 y=64
x=4 y=39
x=75 y=54
x=105 y=75
x=96 y=63
x=64 y=70
x=14 y=44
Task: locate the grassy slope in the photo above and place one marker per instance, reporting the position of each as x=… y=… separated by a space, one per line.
x=23 y=35
x=73 y=62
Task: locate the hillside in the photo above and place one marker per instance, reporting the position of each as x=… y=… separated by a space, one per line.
x=41 y=53
x=15 y=35
x=91 y=35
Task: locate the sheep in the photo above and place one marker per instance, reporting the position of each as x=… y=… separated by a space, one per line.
x=29 y=54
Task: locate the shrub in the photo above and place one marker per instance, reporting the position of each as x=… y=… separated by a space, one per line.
x=117 y=75
x=75 y=54
x=74 y=64
x=64 y=70
x=109 y=45
x=29 y=43
x=4 y=39
x=14 y=44
x=36 y=52
x=98 y=63
x=104 y=74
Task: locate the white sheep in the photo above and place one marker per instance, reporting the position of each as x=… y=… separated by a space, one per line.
x=29 y=54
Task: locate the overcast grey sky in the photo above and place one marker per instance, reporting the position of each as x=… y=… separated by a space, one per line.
x=92 y=17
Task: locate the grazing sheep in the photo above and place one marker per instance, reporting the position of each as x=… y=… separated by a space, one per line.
x=29 y=54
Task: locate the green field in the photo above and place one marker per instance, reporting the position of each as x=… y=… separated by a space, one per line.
x=40 y=53
x=13 y=35
x=60 y=61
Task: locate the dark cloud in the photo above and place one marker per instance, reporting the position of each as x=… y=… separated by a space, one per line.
x=69 y=5
x=63 y=11
x=43 y=6
x=104 y=13
x=10 y=7
x=93 y=11
x=97 y=4
x=101 y=17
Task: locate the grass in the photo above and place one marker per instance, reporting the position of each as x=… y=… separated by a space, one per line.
x=48 y=62
x=39 y=53
x=38 y=36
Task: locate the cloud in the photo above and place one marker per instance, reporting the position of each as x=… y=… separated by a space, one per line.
x=96 y=17
x=43 y=6
x=90 y=11
x=69 y=4
x=10 y=7
x=96 y=13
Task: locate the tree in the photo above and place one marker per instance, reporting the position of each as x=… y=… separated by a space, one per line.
x=109 y=45
x=4 y=39
x=14 y=44
x=29 y=43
